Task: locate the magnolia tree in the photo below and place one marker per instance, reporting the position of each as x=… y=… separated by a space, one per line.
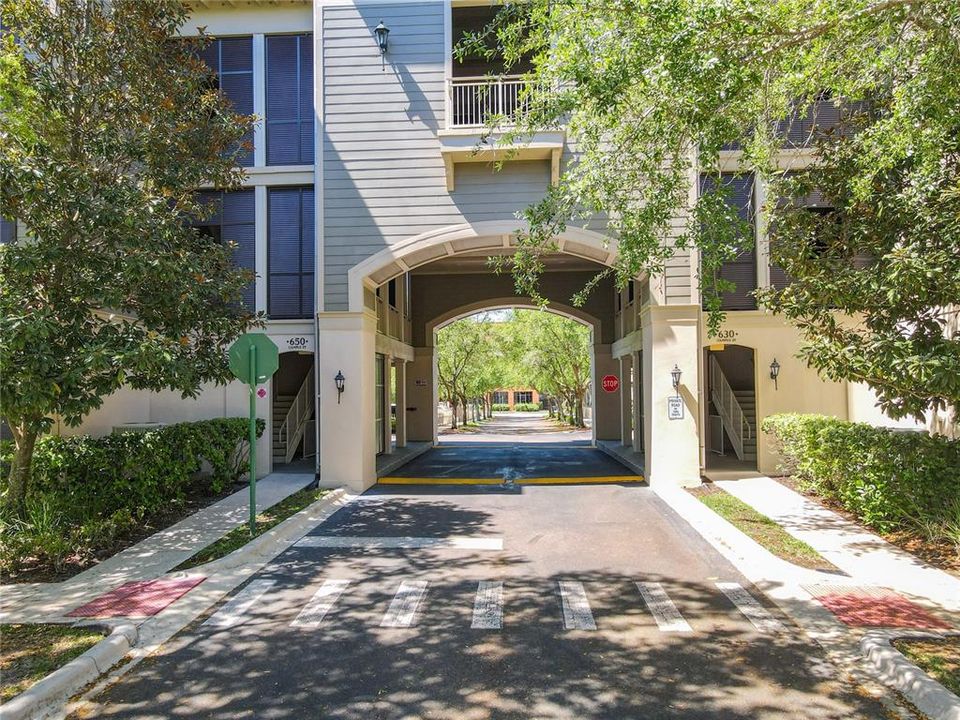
x=651 y=92
x=108 y=126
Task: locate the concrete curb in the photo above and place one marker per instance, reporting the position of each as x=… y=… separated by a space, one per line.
x=49 y=694
x=896 y=670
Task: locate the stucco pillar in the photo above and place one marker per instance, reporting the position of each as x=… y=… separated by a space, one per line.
x=636 y=387
x=421 y=396
x=606 y=406
x=671 y=337
x=401 y=403
x=348 y=443
x=626 y=419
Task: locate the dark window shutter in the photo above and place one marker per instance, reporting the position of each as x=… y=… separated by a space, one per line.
x=232 y=60
x=742 y=271
x=289 y=121
x=291 y=252
x=8 y=231
x=233 y=221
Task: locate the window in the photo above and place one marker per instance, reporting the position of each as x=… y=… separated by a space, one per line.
x=631 y=293
x=501 y=397
x=232 y=60
x=289 y=122
x=290 y=228
x=392 y=293
x=8 y=231
x=233 y=221
x=522 y=396
x=742 y=270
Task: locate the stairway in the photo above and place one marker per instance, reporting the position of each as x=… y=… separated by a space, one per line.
x=748 y=403
x=281 y=406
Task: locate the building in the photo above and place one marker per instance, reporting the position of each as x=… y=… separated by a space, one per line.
x=369 y=217
x=515 y=396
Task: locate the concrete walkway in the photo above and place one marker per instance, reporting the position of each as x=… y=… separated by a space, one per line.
x=148 y=559
x=867 y=558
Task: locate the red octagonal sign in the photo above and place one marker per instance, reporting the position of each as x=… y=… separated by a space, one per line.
x=610 y=383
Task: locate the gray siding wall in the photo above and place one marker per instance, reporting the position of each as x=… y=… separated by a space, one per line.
x=383 y=176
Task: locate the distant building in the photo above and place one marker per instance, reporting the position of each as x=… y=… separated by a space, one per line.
x=516 y=396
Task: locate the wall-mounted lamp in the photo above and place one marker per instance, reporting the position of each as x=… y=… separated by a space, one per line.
x=675 y=378
x=381 y=31
x=774 y=372
x=340 y=381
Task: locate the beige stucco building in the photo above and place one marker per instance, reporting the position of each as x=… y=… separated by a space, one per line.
x=369 y=218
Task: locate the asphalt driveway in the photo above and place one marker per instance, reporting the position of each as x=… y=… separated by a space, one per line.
x=485 y=602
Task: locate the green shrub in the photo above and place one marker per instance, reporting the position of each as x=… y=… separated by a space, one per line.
x=526 y=407
x=500 y=407
x=888 y=479
x=86 y=491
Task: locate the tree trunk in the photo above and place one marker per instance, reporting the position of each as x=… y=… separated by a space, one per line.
x=24 y=441
x=453 y=414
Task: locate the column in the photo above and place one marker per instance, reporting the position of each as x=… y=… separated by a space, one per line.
x=346 y=343
x=636 y=387
x=671 y=337
x=387 y=386
x=421 y=397
x=401 y=366
x=606 y=406
x=626 y=419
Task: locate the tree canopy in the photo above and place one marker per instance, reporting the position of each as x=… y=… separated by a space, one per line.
x=652 y=92
x=109 y=126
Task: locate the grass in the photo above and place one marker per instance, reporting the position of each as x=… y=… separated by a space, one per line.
x=29 y=653
x=761 y=528
x=940 y=659
x=267 y=520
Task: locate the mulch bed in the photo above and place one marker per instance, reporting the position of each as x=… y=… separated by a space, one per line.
x=37 y=572
x=941 y=554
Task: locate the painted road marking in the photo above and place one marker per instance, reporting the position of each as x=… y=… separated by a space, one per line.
x=662 y=608
x=747 y=604
x=402 y=612
x=488 y=606
x=320 y=604
x=232 y=613
x=350 y=541
x=576 y=607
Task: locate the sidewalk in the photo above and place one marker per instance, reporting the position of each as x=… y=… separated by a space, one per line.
x=148 y=559
x=867 y=558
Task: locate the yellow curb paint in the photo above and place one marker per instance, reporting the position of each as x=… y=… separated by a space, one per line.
x=499 y=481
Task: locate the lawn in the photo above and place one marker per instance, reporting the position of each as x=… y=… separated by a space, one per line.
x=29 y=653
x=266 y=521
x=940 y=659
x=761 y=528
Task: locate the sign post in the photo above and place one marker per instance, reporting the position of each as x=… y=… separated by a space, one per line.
x=253 y=360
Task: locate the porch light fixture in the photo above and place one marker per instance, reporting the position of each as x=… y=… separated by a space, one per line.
x=381 y=31
x=340 y=382
x=675 y=377
x=774 y=372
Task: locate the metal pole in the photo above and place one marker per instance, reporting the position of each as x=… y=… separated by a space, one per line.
x=253 y=440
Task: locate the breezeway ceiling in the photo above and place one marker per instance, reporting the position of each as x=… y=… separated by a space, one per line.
x=478 y=262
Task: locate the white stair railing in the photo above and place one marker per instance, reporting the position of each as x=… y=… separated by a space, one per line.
x=297 y=418
x=731 y=414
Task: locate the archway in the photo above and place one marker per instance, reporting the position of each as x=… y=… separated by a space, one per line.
x=730 y=440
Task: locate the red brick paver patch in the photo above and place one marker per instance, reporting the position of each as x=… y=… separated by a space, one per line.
x=138 y=599
x=874 y=607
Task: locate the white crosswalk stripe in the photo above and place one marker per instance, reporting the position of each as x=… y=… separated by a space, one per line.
x=402 y=612
x=232 y=613
x=747 y=604
x=576 y=607
x=320 y=604
x=662 y=608
x=488 y=606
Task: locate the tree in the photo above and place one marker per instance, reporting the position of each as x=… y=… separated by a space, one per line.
x=652 y=90
x=555 y=358
x=116 y=125
x=465 y=357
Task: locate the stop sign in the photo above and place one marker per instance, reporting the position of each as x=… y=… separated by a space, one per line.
x=610 y=383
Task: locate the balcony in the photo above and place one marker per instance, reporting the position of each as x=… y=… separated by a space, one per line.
x=473 y=103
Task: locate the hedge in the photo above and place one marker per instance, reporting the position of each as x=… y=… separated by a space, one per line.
x=87 y=490
x=890 y=480
x=500 y=407
x=526 y=407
